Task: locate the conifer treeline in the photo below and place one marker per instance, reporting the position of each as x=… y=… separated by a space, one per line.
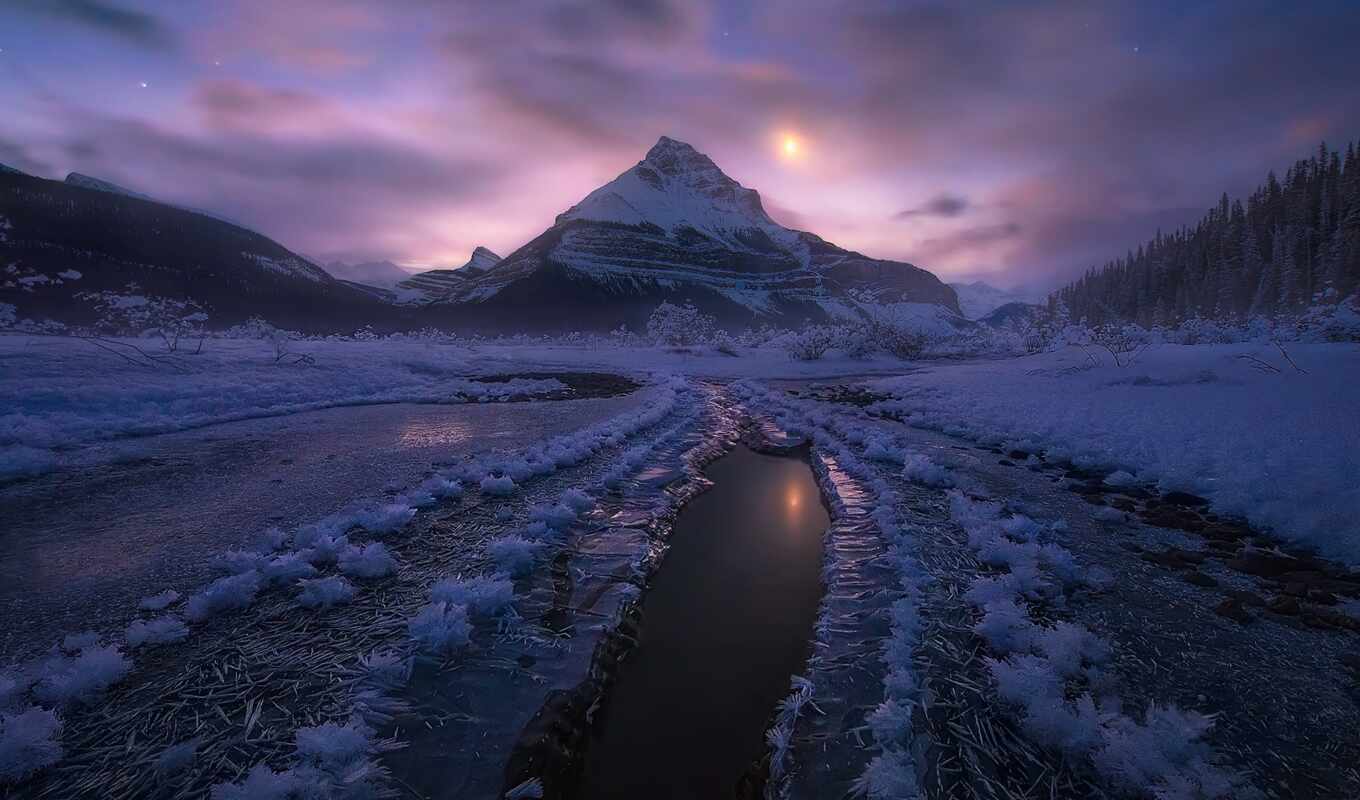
x=1288 y=246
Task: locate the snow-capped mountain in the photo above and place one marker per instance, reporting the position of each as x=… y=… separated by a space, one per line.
x=978 y=299
x=382 y=274
x=675 y=228
x=435 y=284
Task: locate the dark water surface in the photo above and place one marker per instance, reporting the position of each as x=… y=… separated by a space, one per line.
x=726 y=622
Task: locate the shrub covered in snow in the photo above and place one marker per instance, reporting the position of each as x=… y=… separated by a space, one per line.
x=680 y=326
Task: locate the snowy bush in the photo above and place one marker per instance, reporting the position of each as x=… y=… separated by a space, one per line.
x=29 y=742
x=161 y=630
x=811 y=343
x=131 y=312
x=326 y=592
x=370 y=561
x=440 y=627
x=680 y=326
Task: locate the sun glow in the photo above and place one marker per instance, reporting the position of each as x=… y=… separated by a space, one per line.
x=789 y=146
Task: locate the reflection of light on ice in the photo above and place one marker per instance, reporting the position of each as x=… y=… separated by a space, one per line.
x=793 y=497
x=421 y=433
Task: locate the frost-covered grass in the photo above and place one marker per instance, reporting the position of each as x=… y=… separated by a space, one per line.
x=1281 y=449
x=1053 y=674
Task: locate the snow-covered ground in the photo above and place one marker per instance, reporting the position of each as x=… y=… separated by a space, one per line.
x=83 y=544
x=495 y=546
x=60 y=394
x=1280 y=448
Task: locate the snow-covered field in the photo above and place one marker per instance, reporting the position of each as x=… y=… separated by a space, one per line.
x=414 y=561
x=58 y=394
x=1280 y=448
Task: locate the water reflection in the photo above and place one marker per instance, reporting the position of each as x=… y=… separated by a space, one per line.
x=727 y=621
x=440 y=432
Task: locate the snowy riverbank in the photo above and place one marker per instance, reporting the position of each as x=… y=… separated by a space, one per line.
x=1280 y=448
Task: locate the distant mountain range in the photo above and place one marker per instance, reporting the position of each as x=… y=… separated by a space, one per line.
x=672 y=228
x=60 y=241
x=978 y=299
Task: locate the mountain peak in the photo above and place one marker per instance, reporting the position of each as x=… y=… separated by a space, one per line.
x=481 y=259
x=675 y=188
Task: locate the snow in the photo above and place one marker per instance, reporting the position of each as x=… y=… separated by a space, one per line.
x=57 y=393
x=1281 y=449
x=499 y=485
x=514 y=554
x=440 y=628
x=224 y=594
x=324 y=592
x=483 y=595
x=79 y=679
x=29 y=742
x=676 y=187
x=370 y=561
x=159 y=602
x=161 y=630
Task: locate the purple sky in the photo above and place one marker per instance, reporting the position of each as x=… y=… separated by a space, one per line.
x=1015 y=141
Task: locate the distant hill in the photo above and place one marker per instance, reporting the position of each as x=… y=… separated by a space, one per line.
x=60 y=240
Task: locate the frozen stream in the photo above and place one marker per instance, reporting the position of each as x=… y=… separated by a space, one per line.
x=79 y=545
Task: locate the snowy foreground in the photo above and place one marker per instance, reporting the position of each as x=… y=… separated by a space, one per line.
x=1056 y=622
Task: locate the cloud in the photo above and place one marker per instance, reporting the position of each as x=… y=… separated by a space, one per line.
x=969 y=239
x=941 y=205
x=137 y=27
